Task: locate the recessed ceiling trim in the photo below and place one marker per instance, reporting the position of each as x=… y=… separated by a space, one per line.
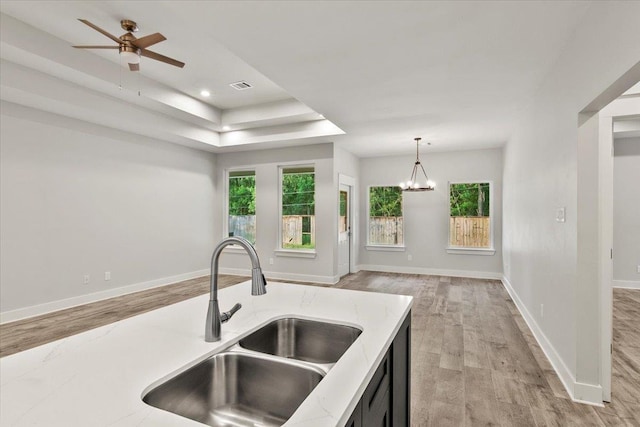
x=295 y=131
x=32 y=88
x=268 y=114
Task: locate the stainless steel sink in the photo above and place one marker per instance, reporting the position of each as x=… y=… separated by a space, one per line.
x=237 y=389
x=308 y=340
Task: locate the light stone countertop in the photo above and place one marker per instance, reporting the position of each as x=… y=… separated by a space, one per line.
x=97 y=378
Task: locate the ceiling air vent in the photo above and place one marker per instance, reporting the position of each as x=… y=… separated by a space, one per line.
x=242 y=85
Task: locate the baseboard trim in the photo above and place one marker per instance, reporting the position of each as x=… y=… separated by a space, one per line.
x=37 y=310
x=626 y=284
x=294 y=277
x=578 y=392
x=431 y=271
x=587 y=393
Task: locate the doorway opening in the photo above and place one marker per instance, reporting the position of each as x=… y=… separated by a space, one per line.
x=625 y=278
x=596 y=248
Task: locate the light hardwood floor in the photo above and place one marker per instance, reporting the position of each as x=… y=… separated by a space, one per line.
x=25 y=334
x=474 y=361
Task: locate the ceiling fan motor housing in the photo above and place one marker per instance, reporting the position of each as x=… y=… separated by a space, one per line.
x=129 y=49
x=129 y=25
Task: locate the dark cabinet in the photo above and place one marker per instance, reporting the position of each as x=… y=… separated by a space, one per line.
x=376 y=400
x=401 y=376
x=386 y=400
x=356 y=417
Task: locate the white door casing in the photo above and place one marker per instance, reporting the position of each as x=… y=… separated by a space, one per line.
x=619 y=108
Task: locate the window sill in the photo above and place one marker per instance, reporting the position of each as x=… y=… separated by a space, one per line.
x=472 y=251
x=292 y=253
x=385 y=248
x=235 y=249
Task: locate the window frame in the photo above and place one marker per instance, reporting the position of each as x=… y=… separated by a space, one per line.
x=225 y=210
x=466 y=250
x=290 y=252
x=380 y=247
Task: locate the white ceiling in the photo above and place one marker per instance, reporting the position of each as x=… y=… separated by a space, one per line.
x=458 y=74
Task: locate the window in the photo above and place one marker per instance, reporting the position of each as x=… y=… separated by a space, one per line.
x=342 y=226
x=470 y=215
x=298 y=208
x=242 y=205
x=385 y=216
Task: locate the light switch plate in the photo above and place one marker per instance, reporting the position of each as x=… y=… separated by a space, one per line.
x=560 y=215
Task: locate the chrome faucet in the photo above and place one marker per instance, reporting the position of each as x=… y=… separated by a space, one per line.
x=258 y=287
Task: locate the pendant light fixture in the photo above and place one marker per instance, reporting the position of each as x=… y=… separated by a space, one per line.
x=415 y=183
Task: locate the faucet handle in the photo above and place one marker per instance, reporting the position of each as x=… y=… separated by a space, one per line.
x=227 y=314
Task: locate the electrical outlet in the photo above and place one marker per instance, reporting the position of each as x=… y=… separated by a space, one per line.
x=107 y=275
x=86 y=279
x=560 y=215
x=541 y=310
x=410 y=257
x=270 y=261
x=638 y=269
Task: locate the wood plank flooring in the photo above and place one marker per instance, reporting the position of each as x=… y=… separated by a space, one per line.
x=625 y=384
x=474 y=360
x=25 y=334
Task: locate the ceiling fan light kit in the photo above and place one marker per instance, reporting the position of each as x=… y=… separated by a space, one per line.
x=130 y=47
x=415 y=183
x=130 y=55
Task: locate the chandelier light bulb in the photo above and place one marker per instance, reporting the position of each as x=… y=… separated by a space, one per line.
x=431 y=184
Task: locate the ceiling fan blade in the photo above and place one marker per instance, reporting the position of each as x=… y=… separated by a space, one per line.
x=161 y=58
x=100 y=30
x=146 y=41
x=97 y=47
x=134 y=67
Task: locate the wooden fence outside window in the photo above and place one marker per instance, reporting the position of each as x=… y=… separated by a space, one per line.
x=243 y=226
x=469 y=231
x=386 y=230
x=298 y=230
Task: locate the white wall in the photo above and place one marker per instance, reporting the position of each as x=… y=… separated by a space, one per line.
x=80 y=199
x=345 y=163
x=266 y=163
x=541 y=175
x=626 y=212
x=426 y=215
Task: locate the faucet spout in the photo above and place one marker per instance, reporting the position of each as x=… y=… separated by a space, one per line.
x=258 y=286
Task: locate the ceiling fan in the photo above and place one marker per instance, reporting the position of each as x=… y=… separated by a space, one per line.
x=130 y=47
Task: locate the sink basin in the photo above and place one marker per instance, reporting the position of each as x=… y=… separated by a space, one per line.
x=308 y=340
x=236 y=389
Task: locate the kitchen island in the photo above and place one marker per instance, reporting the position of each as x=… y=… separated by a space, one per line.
x=98 y=378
